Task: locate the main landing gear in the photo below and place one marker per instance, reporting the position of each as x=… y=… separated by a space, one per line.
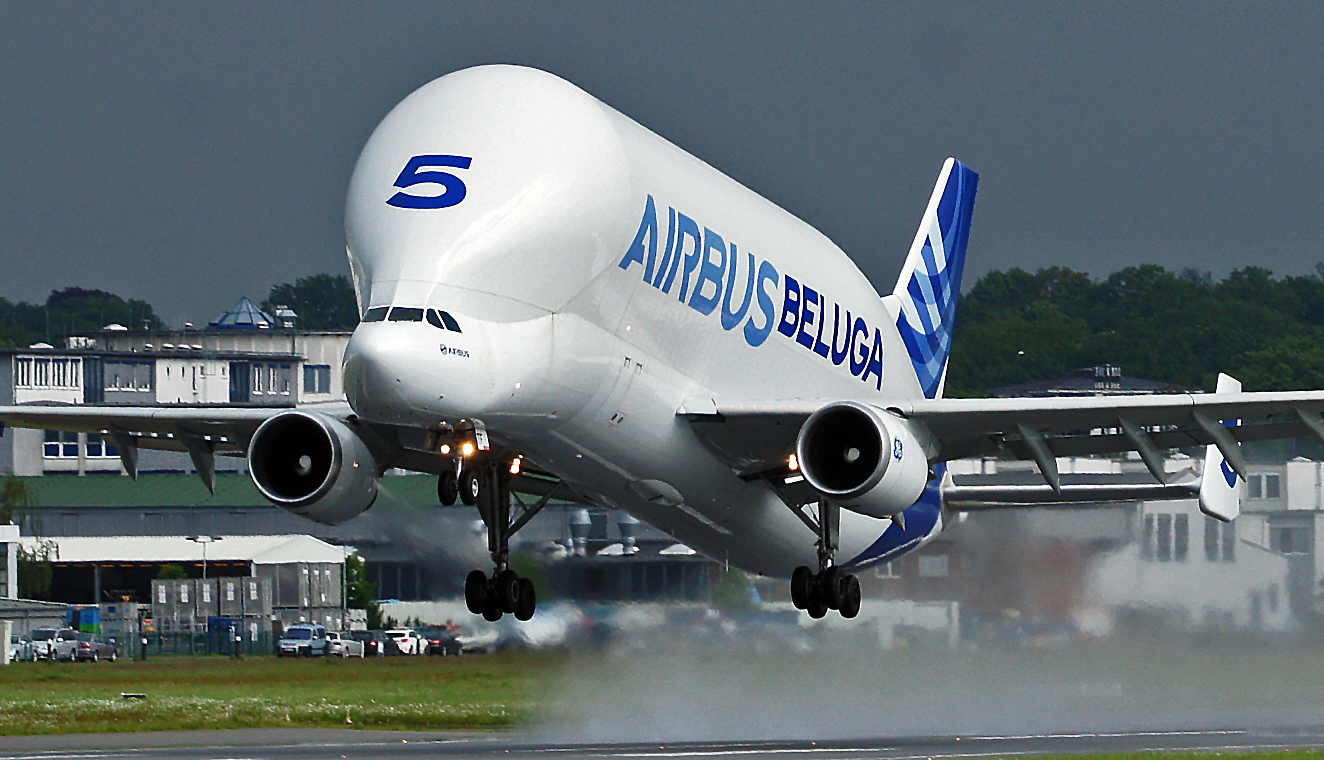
x=831 y=588
x=486 y=485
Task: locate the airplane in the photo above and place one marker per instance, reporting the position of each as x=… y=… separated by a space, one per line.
x=557 y=302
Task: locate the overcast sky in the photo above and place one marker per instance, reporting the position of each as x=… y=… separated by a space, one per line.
x=188 y=153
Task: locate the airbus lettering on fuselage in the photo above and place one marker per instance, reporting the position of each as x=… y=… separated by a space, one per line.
x=715 y=278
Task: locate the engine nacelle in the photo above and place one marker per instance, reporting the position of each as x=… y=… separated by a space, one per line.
x=865 y=459
x=313 y=465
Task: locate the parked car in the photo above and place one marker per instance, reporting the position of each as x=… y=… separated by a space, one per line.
x=20 y=648
x=407 y=641
x=374 y=642
x=303 y=640
x=90 y=648
x=440 y=640
x=54 y=643
x=342 y=645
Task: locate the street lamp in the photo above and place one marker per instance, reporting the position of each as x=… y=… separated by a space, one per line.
x=204 y=540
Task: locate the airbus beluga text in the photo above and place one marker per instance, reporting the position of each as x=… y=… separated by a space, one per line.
x=556 y=301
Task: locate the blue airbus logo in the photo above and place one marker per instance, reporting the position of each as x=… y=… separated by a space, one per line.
x=713 y=274
x=1229 y=474
x=897 y=450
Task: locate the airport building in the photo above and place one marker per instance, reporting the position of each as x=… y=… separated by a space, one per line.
x=244 y=358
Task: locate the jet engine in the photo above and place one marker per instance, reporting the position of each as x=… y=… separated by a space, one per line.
x=865 y=459
x=313 y=465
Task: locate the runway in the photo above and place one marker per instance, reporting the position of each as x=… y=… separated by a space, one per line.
x=297 y=744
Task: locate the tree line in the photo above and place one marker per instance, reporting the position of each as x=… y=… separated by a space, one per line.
x=1181 y=328
x=322 y=301
x=1013 y=326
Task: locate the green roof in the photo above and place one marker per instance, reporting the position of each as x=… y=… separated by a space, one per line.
x=184 y=491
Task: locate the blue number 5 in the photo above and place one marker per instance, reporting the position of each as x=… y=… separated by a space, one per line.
x=453 y=187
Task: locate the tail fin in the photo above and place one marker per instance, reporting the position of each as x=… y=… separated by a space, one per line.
x=930 y=282
x=1220 y=494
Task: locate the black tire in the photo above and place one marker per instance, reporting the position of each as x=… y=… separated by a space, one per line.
x=817 y=609
x=802 y=587
x=850 y=605
x=832 y=588
x=469 y=487
x=491 y=613
x=475 y=591
x=528 y=600
x=508 y=590
x=448 y=488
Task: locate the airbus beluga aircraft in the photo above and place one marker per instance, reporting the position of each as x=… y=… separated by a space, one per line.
x=557 y=302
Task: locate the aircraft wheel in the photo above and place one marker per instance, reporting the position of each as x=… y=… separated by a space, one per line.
x=469 y=487
x=802 y=587
x=817 y=609
x=832 y=588
x=448 y=488
x=850 y=605
x=508 y=590
x=528 y=600
x=475 y=588
x=491 y=612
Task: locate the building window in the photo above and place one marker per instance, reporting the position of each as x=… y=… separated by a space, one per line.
x=53 y=373
x=128 y=375
x=1220 y=541
x=317 y=378
x=61 y=444
x=1290 y=540
x=1266 y=485
x=933 y=566
x=98 y=446
x=1171 y=537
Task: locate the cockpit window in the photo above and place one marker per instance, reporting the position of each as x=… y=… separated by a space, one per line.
x=406 y=314
x=376 y=314
x=443 y=320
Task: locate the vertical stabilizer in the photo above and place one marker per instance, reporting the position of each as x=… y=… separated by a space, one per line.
x=1220 y=493
x=930 y=282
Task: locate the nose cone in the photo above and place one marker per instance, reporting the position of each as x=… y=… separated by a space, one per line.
x=412 y=375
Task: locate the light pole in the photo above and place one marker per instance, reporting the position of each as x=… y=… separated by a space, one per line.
x=204 y=540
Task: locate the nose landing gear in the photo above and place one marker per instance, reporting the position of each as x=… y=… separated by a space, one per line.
x=831 y=588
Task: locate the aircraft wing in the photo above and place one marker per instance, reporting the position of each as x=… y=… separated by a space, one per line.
x=227 y=429
x=755 y=436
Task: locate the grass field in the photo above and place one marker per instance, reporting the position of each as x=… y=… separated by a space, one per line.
x=677 y=687
x=479 y=692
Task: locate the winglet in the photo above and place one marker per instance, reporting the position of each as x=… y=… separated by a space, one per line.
x=1220 y=493
x=930 y=282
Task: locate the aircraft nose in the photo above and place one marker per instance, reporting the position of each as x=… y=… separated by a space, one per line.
x=399 y=373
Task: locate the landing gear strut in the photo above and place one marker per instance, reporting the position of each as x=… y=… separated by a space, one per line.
x=487 y=483
x=830 y=588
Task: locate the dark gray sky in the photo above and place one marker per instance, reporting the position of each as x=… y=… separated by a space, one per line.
x=188 y=153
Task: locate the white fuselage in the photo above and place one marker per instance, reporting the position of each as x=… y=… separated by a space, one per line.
x=600 y=277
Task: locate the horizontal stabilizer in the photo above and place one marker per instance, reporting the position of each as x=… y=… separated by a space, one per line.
x=973 y=498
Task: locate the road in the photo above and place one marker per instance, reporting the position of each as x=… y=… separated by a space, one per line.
x=297 y=744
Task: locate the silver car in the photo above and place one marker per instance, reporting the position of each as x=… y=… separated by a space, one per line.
x=54 y=643
x=340 y=644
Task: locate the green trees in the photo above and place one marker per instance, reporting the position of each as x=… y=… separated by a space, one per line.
x=322 y=301
x=71 y=311
x=1183 y=328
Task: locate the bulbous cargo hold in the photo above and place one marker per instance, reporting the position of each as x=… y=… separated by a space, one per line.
x=863 y=458
x=314 y=466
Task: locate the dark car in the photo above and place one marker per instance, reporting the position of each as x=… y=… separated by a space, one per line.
x=90 y=648
x=374 y=642
x=441 y=640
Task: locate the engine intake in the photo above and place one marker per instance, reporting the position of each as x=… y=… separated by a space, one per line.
x=866 y=459
x=314 y=466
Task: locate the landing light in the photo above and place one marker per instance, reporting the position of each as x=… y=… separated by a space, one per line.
x=515 y=465
x=445 y=448
x=467 y=449
x=793 y=462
